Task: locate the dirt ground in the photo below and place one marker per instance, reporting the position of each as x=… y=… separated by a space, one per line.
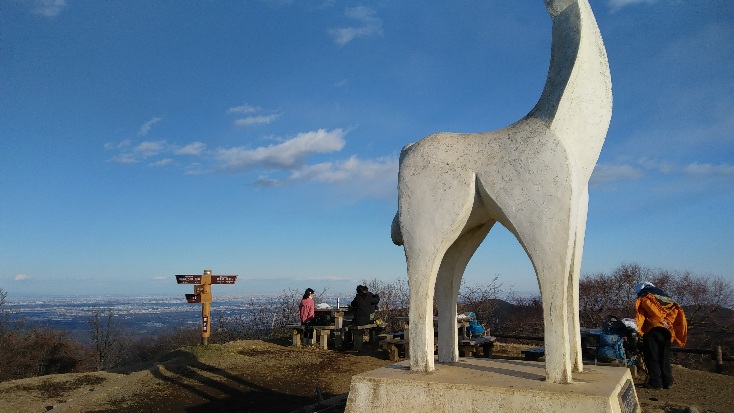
x=258 y=376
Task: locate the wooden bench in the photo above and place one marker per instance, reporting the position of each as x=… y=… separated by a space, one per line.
x=321 y=334
x=384 y=336
x=533 y=353
x=296 y=333
x=394 y=346
x=387 y=336
x=359 y=332
x=472 y=347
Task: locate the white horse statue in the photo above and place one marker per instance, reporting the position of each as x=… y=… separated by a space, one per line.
x=531 y=177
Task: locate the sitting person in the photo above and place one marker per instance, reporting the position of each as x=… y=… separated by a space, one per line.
x=363 y=307
x=307 y=314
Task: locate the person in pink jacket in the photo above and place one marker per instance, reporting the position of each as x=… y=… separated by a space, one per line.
x=307 y=314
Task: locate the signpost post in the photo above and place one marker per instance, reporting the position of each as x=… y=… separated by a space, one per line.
x=203 y=294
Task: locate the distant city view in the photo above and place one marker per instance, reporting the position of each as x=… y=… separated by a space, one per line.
x=141 y=315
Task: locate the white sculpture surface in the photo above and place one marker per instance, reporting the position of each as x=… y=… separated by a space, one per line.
x=532 y=177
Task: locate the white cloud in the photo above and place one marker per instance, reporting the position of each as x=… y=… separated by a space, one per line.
x=251 y=120
x=371 y=177
x=121 y=145
x=350 y=170
x=146 y=149
x=656 y=165
x=141 y=151
x=195 y=169
x=243 y=109
x=281 y=163
x=145 y=128
x=164 y=162
x=149 y=149
x=708 y=169
x=267 y=182
x=370 y=25
x=22 y=277
x=125 y=158
x=283 y=155
x=254 y=120
x=692 y=169
x=618 y=4
x=608 y=173
x=47 y=8
x=194 y=148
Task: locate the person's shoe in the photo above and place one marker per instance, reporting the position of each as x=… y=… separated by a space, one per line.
x=667 y=386
x=647 y=385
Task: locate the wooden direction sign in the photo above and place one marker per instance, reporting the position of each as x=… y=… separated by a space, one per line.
x=196 y=279
x=188 y=279
x=203 y=294
x=224 y=279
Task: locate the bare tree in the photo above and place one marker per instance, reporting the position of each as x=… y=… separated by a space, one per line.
x=526 y=317
x=708 y=301
x=107 y=338
x=262 y=320
x=482 y=300
x=394 y=300
x=4 y=313
x=34 y=350
x=604 y=294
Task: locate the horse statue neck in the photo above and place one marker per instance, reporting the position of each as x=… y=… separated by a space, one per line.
x=576 y=101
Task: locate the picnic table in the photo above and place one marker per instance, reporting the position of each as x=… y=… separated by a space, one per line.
x=462 y=323
x=394 y=345
x=589 y=338
x=398 y=342
x=329 y=321
x=332 y=320
x=331 y=324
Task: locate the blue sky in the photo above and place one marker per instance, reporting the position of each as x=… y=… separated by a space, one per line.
x=139 y=139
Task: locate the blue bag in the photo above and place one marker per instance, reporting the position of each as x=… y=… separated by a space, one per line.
x=474 y=328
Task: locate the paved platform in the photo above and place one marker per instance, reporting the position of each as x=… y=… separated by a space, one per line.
x=494 y=385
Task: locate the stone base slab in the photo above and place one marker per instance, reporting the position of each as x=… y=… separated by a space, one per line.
x=494 y=385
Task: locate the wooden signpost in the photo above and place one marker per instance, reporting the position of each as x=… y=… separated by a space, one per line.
x=203 y=294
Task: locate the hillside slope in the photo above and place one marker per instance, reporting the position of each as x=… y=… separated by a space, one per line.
x=258 y=376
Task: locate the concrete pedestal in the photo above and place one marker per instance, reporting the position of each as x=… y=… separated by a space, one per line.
x=494 y=385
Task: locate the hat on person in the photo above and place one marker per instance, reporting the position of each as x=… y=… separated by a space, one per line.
x=642 y=285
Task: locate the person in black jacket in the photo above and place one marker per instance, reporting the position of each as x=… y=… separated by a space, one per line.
x=363 y=305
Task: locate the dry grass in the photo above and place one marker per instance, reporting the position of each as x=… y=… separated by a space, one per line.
x=509 y=350
x=259 y=376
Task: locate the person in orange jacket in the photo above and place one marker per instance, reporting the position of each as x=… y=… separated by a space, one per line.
x=661 y=321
